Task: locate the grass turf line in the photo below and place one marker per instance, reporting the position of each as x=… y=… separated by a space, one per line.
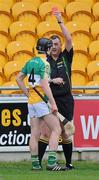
x=22 y=170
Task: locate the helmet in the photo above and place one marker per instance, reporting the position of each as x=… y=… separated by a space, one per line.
x=43 y=44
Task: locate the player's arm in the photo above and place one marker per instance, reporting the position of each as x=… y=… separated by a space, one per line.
x=45 y=86
x=21 y=84
x=44 y=83
x=67 y=35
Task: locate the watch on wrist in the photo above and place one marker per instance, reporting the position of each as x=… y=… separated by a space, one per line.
x=59 y=22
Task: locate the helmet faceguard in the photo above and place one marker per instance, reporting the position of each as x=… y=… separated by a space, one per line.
x=43 y=45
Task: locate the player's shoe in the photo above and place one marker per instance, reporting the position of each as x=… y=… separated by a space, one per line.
x=55 y=167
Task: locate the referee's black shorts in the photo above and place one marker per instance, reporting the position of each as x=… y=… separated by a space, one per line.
x=65 y=106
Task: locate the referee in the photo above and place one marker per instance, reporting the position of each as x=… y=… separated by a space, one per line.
x=60 y=83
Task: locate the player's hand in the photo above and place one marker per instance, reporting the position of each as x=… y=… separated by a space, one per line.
x=54 y=109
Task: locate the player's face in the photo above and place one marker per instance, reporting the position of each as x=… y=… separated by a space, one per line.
x=56 y=47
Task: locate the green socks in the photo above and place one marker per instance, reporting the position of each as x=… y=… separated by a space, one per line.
x=51 y=158
x=35 y=162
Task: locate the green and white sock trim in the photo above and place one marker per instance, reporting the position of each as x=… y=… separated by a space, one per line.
x=35 y=162
x=52 y=158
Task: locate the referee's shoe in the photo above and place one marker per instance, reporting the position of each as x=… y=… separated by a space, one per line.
x=69 y=167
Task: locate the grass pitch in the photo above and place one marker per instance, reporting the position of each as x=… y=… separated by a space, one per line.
x=84 y=170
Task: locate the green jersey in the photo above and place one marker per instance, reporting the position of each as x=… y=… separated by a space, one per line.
x=41 y=70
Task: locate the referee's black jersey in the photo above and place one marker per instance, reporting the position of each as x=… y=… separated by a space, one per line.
x=61 y=68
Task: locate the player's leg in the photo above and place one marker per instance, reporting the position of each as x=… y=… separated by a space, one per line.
x=33 y=143
x=54 y=125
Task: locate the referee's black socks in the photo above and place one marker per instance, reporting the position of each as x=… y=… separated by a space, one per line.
x=41 y=149
x=67 y=149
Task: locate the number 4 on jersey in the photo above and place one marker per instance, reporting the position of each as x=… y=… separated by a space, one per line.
x=31 y=77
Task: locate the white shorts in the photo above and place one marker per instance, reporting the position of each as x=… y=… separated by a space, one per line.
x=38 y=110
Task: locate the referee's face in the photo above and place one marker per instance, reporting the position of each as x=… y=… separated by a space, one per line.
x=56 y=47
